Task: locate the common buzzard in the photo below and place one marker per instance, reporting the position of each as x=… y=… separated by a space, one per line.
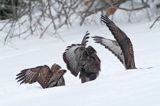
x=83 y=60
x=45 y=76
x=121 y=48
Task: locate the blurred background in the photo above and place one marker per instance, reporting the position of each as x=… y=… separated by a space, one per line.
x=25 y=18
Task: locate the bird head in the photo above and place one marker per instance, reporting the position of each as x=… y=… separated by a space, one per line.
x=90 y=50
x=55 y=67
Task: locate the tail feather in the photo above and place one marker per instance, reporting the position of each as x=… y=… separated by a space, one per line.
x=85 y=39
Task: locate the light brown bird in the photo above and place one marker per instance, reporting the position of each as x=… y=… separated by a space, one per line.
x=83 y=60
x=45 y=76
x=122 y=48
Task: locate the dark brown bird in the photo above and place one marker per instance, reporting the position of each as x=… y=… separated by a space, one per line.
x=83 y=60
x=122 y=48
x=45 y=76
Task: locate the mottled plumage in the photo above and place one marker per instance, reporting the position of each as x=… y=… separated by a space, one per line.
x=121 y=48
x=83 y=60
x=45 y=76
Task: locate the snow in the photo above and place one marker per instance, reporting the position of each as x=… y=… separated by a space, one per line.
x=115 y=86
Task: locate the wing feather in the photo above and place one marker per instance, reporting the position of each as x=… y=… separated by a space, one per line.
x=123 y=41
x=85 y=39
x=112 y=46
x=71 y=57
x=27 y=76
x=44 y=75
x=118 y=34
x=55 y=80
x=30 y=75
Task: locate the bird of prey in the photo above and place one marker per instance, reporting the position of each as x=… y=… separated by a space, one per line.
x=45 y=76
x=83 y=60
x=121 y=47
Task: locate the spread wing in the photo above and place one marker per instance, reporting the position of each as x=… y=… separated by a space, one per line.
x=28 y=75
x=44 y=76
x=71 y=58
x=38 y=74
x=72 y=55
x=112 y=46
x=123 y=41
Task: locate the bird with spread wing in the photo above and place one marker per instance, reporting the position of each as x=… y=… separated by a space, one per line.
x=121 y=47
x=83 y=60
x=45 y=76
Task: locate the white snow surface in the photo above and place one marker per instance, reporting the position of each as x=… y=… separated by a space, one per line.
x=114 y=86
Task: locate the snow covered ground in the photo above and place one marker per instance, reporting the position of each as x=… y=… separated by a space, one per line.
x=115 y=86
